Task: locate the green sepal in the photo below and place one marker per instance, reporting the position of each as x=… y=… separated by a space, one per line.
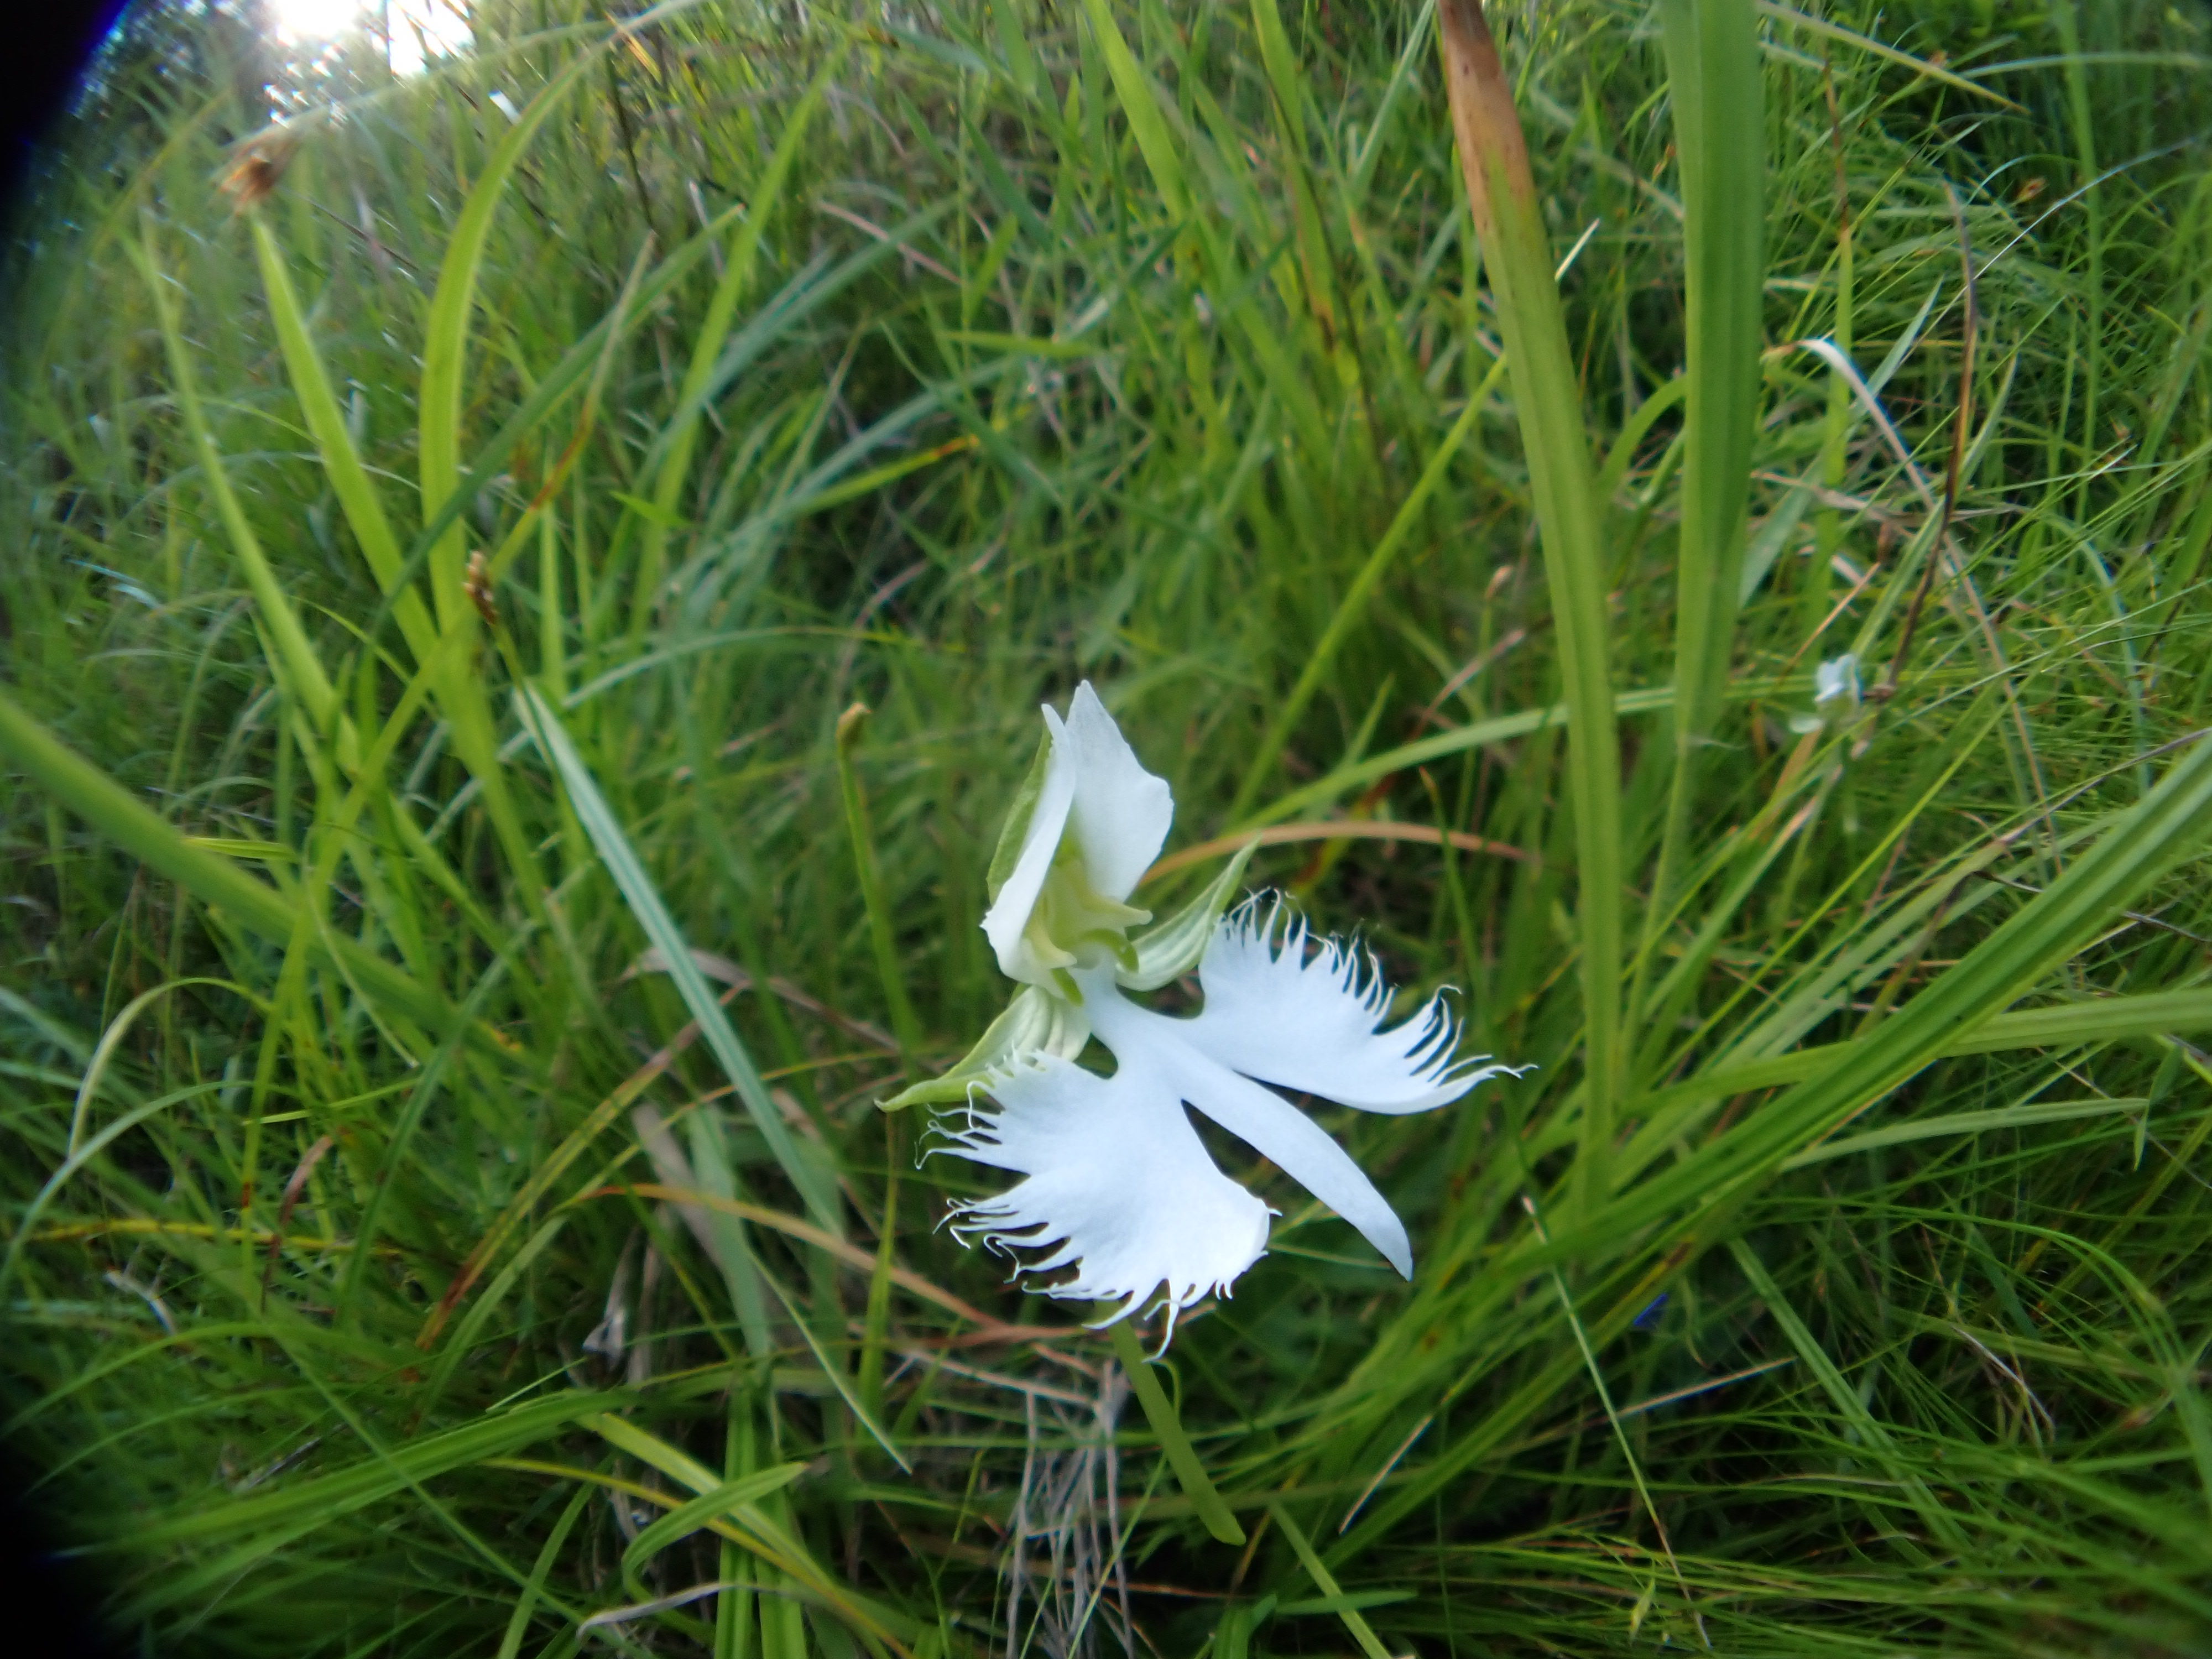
x=1008 y=852
x=1172 y=949
x=1034 y=1022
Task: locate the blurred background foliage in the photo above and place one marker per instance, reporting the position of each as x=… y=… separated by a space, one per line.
x=825 y=354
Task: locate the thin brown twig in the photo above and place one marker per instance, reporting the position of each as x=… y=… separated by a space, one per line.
x=1284 y=834
x=858 y=1260
x=1970 y=321
x=284 y=1207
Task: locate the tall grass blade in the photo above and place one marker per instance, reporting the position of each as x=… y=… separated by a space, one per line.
x=744 y=252
x=1547 y=397
x=1713 y=81
x=2138 y=847
x=295 y=658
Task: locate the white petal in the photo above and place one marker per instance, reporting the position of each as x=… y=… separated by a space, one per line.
x=1010 y=913
x=1315 y=1026
x=1121 y=811
x=1839 y=677
x=1259 y=1117
x=1301 y=1150
x=1119 y=1187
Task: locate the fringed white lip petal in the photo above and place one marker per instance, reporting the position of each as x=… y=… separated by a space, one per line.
x=1122 y=813
x=1010 y=913
x=1301 y=1150
x=1316 y=1025
x=1259 y=1117
x=1118 y=1185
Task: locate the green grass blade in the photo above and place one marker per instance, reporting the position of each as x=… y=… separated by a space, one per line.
x=661 y=932
x=446 y=339
x=1547 y=400
x=294 y=654
x=518 y=1623
x=1713 y=78
x=349 y=479
x=217 y=882
x=861 y=834
x=675 y=467
x=1183 y=1457
x=1962 y=1123
x=753 y=1527
x=1352 y=608
x=1147 y=122
x=370 y=1479
x=2139 y=845
x=1325 y=1580
x=686 y=1518
x=1846 y=1399
x=445 y=357
x=2064 y=1026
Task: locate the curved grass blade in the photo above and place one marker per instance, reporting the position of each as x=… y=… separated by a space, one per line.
x=295 y=657
x=1183 y=1457
x=1353 y=605
x=350 y=481
x=675 y=468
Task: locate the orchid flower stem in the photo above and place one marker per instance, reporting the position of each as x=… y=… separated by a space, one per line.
x=904 y=1025
x=1182 y=1456
x=1518 y=256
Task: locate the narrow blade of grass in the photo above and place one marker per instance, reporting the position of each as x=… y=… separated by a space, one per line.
x=661 y=931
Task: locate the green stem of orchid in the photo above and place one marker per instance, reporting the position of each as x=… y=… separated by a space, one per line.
x=1183 y=1457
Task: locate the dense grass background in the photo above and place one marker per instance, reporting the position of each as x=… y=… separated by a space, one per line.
x=346 y=1311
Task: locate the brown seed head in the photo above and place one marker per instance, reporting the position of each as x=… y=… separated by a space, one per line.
x=257 y=164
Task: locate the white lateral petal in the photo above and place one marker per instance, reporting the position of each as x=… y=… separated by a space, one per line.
x=1119 y=1187
x=1122 y=813
x=1010 y=913
x=1316 y=1025
x=1259 y=1117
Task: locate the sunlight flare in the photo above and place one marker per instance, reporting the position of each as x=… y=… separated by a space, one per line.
x=414 y=31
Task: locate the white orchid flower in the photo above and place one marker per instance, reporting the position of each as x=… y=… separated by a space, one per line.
x=1117 y=1185
x=1836 y=679
x=1839 y=677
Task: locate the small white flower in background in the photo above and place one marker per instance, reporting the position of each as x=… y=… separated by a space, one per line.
x=1117 y=1185
x=1837 y=678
